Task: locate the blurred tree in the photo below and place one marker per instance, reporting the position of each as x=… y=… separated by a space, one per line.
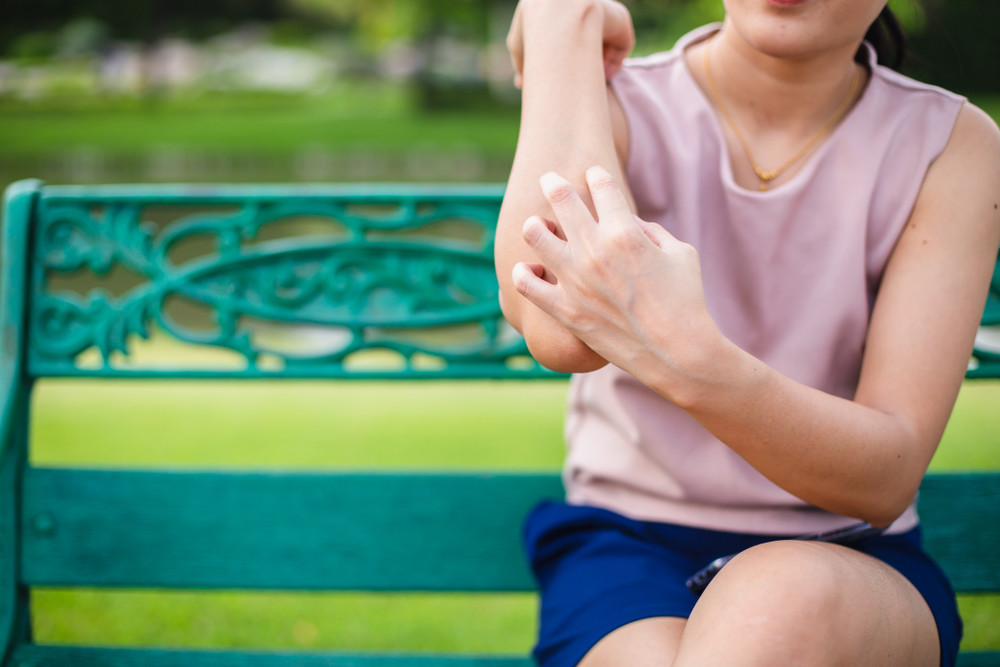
x=380 y=22
x=659 y=24
x=425 y=25
x=139 y=20
x=951 y=40
x=955 y=47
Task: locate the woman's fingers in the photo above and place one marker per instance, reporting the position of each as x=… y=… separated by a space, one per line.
x=541 y=236
x=529 y=281
x=574 y=218
x=609 y=200
x=619 y=36
x=618 y=39
x=575 y=222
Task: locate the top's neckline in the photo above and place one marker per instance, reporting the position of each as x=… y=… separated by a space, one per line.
x=796 y=181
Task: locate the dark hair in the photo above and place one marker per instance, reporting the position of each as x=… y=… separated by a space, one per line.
x=887 y=36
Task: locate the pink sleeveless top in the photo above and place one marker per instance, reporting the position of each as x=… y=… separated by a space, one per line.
x=790 y=275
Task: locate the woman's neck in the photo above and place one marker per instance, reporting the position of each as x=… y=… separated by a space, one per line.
x=765 y=93
x=775 y=111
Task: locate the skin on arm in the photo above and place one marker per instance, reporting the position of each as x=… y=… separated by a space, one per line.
x=563 y=51
x=632 y=293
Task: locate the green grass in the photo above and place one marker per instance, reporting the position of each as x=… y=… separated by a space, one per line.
x=374 y=117
x=334 y=425
x=972 y=439
x=305 y=621
x=300 y=424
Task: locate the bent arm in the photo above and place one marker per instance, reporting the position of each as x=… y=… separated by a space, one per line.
x=569 y=121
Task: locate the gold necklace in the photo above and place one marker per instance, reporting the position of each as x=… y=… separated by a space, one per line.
x=768 y=176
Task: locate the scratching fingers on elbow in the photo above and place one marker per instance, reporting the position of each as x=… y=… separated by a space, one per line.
x=554 y=346
x=549 y=342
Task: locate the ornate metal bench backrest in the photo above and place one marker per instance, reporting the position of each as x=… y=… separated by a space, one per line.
x=292 y=281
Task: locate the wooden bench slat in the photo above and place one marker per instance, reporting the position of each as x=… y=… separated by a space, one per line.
x=348 y=531
x=960 y=515
x=68 y=656
x=378 y=531
x=979 y=659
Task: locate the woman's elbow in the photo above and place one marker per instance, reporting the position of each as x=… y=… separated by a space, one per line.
x=565 y=356
x=887 y=504
x=551 y=344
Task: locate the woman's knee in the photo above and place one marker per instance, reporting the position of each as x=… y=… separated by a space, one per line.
x=782 y=581
x=773 y=604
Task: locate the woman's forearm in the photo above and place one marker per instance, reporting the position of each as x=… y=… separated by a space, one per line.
x=838 y=454
x=565 y=127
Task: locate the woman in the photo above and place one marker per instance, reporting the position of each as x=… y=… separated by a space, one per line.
x=765 y=257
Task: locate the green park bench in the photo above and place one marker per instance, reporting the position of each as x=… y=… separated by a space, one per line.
x=332 y=282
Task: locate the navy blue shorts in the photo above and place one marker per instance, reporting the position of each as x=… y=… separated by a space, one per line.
x=598 y=571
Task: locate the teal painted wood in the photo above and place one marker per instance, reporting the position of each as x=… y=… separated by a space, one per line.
x=961 y=517
x=986 y=359
x=13 y=595
x=59 y=656
x=18 y=208
x=19 y=205
x=227 y=193
x=359 y=531
x=279 y=531
x=979 y=659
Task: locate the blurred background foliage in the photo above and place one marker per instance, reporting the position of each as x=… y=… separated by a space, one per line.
x=952 y=41
x=320 y=90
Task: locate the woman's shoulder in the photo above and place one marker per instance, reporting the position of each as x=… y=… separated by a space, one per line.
x=672 y=57
x=909 y=112
x=974 y=143
x=900 y=86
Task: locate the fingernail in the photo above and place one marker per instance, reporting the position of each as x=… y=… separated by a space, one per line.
x=518 y=277
x=597 y=171
x=551 y=179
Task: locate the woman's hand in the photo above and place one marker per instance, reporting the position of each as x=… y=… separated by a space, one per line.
x=627 y=288
x=618 y=34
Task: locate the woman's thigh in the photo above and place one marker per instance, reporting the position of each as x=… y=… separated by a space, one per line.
x=650 y=642
x=809 y=603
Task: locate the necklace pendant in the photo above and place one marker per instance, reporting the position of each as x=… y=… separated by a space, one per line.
x=765 y=176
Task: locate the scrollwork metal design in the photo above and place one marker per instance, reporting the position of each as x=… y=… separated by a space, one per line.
x=372 y=285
